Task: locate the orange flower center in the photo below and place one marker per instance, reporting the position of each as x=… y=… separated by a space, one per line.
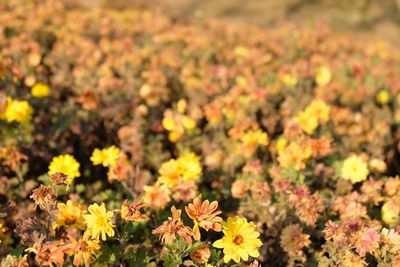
x=238 y=240
x=70 y=220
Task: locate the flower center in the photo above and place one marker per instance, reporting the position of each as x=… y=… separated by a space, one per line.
x=70 y=220
x=238 y=240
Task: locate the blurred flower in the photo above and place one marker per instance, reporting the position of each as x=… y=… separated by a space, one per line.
x=368 y=242
x=70 y=215
x=107 y=156
x=354 y=169
x=390 y=211
x=240 y=240
x=204 y=215
x=98 y=222
x=377 y=165
x=239 y=188
x=131 y=212
x=156 y=196
x=201 y=255
x=307 y=207
x=170 y=174
x=174 y=226
x=251 y=140
x=65 y=164
x=40 y=90
x=293 y=240
x=189 y=166
x=17 y=110
x=121 y=171
x=289 y=80
x=3 y=229
x=382 y=97
x=323 y=75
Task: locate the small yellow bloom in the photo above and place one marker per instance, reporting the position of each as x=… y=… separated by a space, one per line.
x=323 y=76
x=70 y=215
x=40 y=90
x=18 y=110
x=241 y=51
x=253 y=139
x=289 y=80
x=382 y=97
x=65 y=164
x=319 y=109
x=190 y=167
x=169 y=123
x=390 y=212
x=240 y=240
x=181 y=106
x=107 y=157
x=188 y=123
x=307 y=121
x=98 y=222
x=170 y=173
x=354 y=169
x=3 y=229
x=281 y=144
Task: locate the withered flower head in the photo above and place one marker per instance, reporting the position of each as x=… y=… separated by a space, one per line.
x=59 y=178
x=201 y=255
x=44 y=197
x=131 y=213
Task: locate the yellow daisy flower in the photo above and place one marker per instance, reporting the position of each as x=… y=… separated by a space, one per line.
x=65 y=164
x=240 y=240
x=98 y=222
x=18 y=110
x=70 y=215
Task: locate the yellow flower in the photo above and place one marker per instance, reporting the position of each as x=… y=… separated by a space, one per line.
x=107 y=156
x=70 y=215
x=98 y=222
x=65 y=164
x=281 y=144
x=169 y=123
x=83 y=250
x=240 y=240
x=319 y=109
x=188 y=123
x=382 y=97
x=241 y=51
x=323 y=75
x=189 y=166
x=251 y=140
x=354 y=169
x=390 y=212
x=40 y=90
x=307 y=121
x=170 y=173
x=289 y=79
x=3 y=229
x=18 y=110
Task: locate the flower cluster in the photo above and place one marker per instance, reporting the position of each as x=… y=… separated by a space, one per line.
x=129 y=138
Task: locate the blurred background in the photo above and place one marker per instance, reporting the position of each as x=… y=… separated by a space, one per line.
x=367 y=19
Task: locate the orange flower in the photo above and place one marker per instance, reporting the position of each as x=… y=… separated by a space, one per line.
x=174 y=226
x=204 y=215
x=131 y=213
